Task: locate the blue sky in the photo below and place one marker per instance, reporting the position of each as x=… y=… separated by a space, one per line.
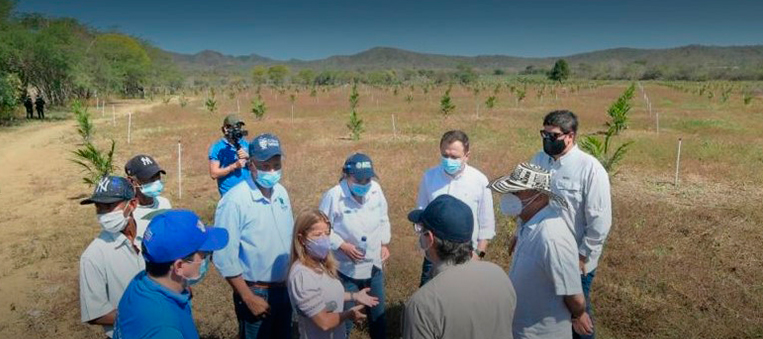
x=313 y=29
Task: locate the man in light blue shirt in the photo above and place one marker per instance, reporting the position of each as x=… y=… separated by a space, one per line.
x=257 y=214
x=227 y=157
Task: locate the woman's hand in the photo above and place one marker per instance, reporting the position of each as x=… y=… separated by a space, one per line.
x=363 y=298
x=356 y=313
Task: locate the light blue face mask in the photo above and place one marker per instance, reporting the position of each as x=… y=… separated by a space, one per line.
x=268 y=179
x=152 y=189
x=360 y=190
x=450 y=166
x=202 y=273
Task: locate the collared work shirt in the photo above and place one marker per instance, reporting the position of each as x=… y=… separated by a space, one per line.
x=105 y=269
x=469 y=186
x=259 y=233
x=582 y=181
x=160 y=203
x=224 y=152
x=150 y=310
x=471 y=300
x=351 y=221
x=544 y=269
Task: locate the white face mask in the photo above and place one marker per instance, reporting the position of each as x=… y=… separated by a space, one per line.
x=113 y=222
x=512 y=206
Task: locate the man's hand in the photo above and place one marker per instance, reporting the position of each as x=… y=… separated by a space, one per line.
x=242 y=154
x=356 y=313
x=351 y=251
x=257 y=305
x=384 y=253
x=583 y=324
x=581 y=263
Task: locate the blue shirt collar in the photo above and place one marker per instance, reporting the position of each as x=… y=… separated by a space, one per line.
x=182 y=299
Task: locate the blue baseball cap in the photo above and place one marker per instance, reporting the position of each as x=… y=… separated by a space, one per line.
x=264 y=147
x=109 y=190
x=447 y=217
x=176 y=234
x=359 y=166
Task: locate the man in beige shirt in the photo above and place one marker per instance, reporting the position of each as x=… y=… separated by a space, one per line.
x=465 y=298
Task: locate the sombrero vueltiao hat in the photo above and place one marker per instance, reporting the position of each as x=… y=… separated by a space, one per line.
x=527 y=177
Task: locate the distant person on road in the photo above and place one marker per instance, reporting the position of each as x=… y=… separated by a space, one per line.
x=40 y=106
x=465 y=298
x=157 y=303
x=315 y=291
x=257 y=214
x=583 y=182
x=454 y=176
x=146 y=175
x=228 y=156
x=357 y=210
x=112 y=259
x=544 y=268
x=29 y=105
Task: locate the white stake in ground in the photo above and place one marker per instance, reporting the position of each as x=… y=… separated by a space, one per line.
x=678 y=162
x=113 y=116
x=103 y=109
x=238 y=106
x=180 y=170
x=129 y=126
x=657 y=120
x=394 y=128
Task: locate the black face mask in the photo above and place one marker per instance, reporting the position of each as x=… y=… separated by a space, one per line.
x=553 y=147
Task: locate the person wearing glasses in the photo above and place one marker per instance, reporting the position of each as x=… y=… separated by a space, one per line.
x=465 y=298
x=357 y=209
x=315 y=291
x=583 y=183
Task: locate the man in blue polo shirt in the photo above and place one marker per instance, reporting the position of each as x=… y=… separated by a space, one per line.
x=156 y=304
x=227 y=157
x=257 y=214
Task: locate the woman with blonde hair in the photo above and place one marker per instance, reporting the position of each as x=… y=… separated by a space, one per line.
x=315 y=291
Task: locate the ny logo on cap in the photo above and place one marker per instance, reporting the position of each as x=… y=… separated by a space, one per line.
x=103 y=185
x=146 y=161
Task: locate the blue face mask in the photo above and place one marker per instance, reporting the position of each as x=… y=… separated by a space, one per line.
x=152 y=189
x=450 y=166
x=360 y=190
x=318 y=248
x=202 y=273
x=268 y=179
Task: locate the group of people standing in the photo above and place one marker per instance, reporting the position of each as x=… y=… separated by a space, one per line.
x=326 y=268
x=30 y=105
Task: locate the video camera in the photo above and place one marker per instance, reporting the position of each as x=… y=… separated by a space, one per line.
x=235 y=133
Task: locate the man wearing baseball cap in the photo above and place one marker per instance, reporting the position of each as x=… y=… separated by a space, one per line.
x=465 y=298
x=156 y=304
x=357 y=211
x=146 y=175
x=544 y=268
x=227 y=157
x=112 y=259
x=257 y=214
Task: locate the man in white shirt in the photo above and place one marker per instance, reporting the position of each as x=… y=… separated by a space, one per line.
x=146 y=175
x=584 y=184
x=455 y=177
x=111 y=260
x=544 y=267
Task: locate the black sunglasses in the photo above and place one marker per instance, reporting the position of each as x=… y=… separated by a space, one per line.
x=550 y=135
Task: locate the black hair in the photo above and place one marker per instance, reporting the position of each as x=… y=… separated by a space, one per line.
x=453 y=252
x=161 y=269
x=564 y=119
x=455 y=135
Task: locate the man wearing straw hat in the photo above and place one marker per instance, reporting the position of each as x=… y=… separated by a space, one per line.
x=583 y=183
x=544 y=268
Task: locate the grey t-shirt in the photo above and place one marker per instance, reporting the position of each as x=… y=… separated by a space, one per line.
x=310 y=293
x=473 y=300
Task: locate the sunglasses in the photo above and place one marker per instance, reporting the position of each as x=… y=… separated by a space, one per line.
x=550 y=135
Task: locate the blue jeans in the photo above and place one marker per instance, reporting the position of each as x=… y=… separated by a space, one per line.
x=277 y=324
x=377 y=322
x=586 y=281
x=426 y=272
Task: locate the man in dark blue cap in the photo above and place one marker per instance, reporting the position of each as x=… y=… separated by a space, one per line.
x=156 y=304
x=257 y=214
x=465 y=298
x=112 y=259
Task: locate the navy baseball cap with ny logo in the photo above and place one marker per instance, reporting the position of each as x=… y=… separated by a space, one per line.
x=109 y=190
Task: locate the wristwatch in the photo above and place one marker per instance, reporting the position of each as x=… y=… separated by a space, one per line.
x=480 y=254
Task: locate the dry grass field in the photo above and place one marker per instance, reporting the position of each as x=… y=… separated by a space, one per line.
x=680 y=262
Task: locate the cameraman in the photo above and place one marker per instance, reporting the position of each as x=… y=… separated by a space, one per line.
x=228 y=156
